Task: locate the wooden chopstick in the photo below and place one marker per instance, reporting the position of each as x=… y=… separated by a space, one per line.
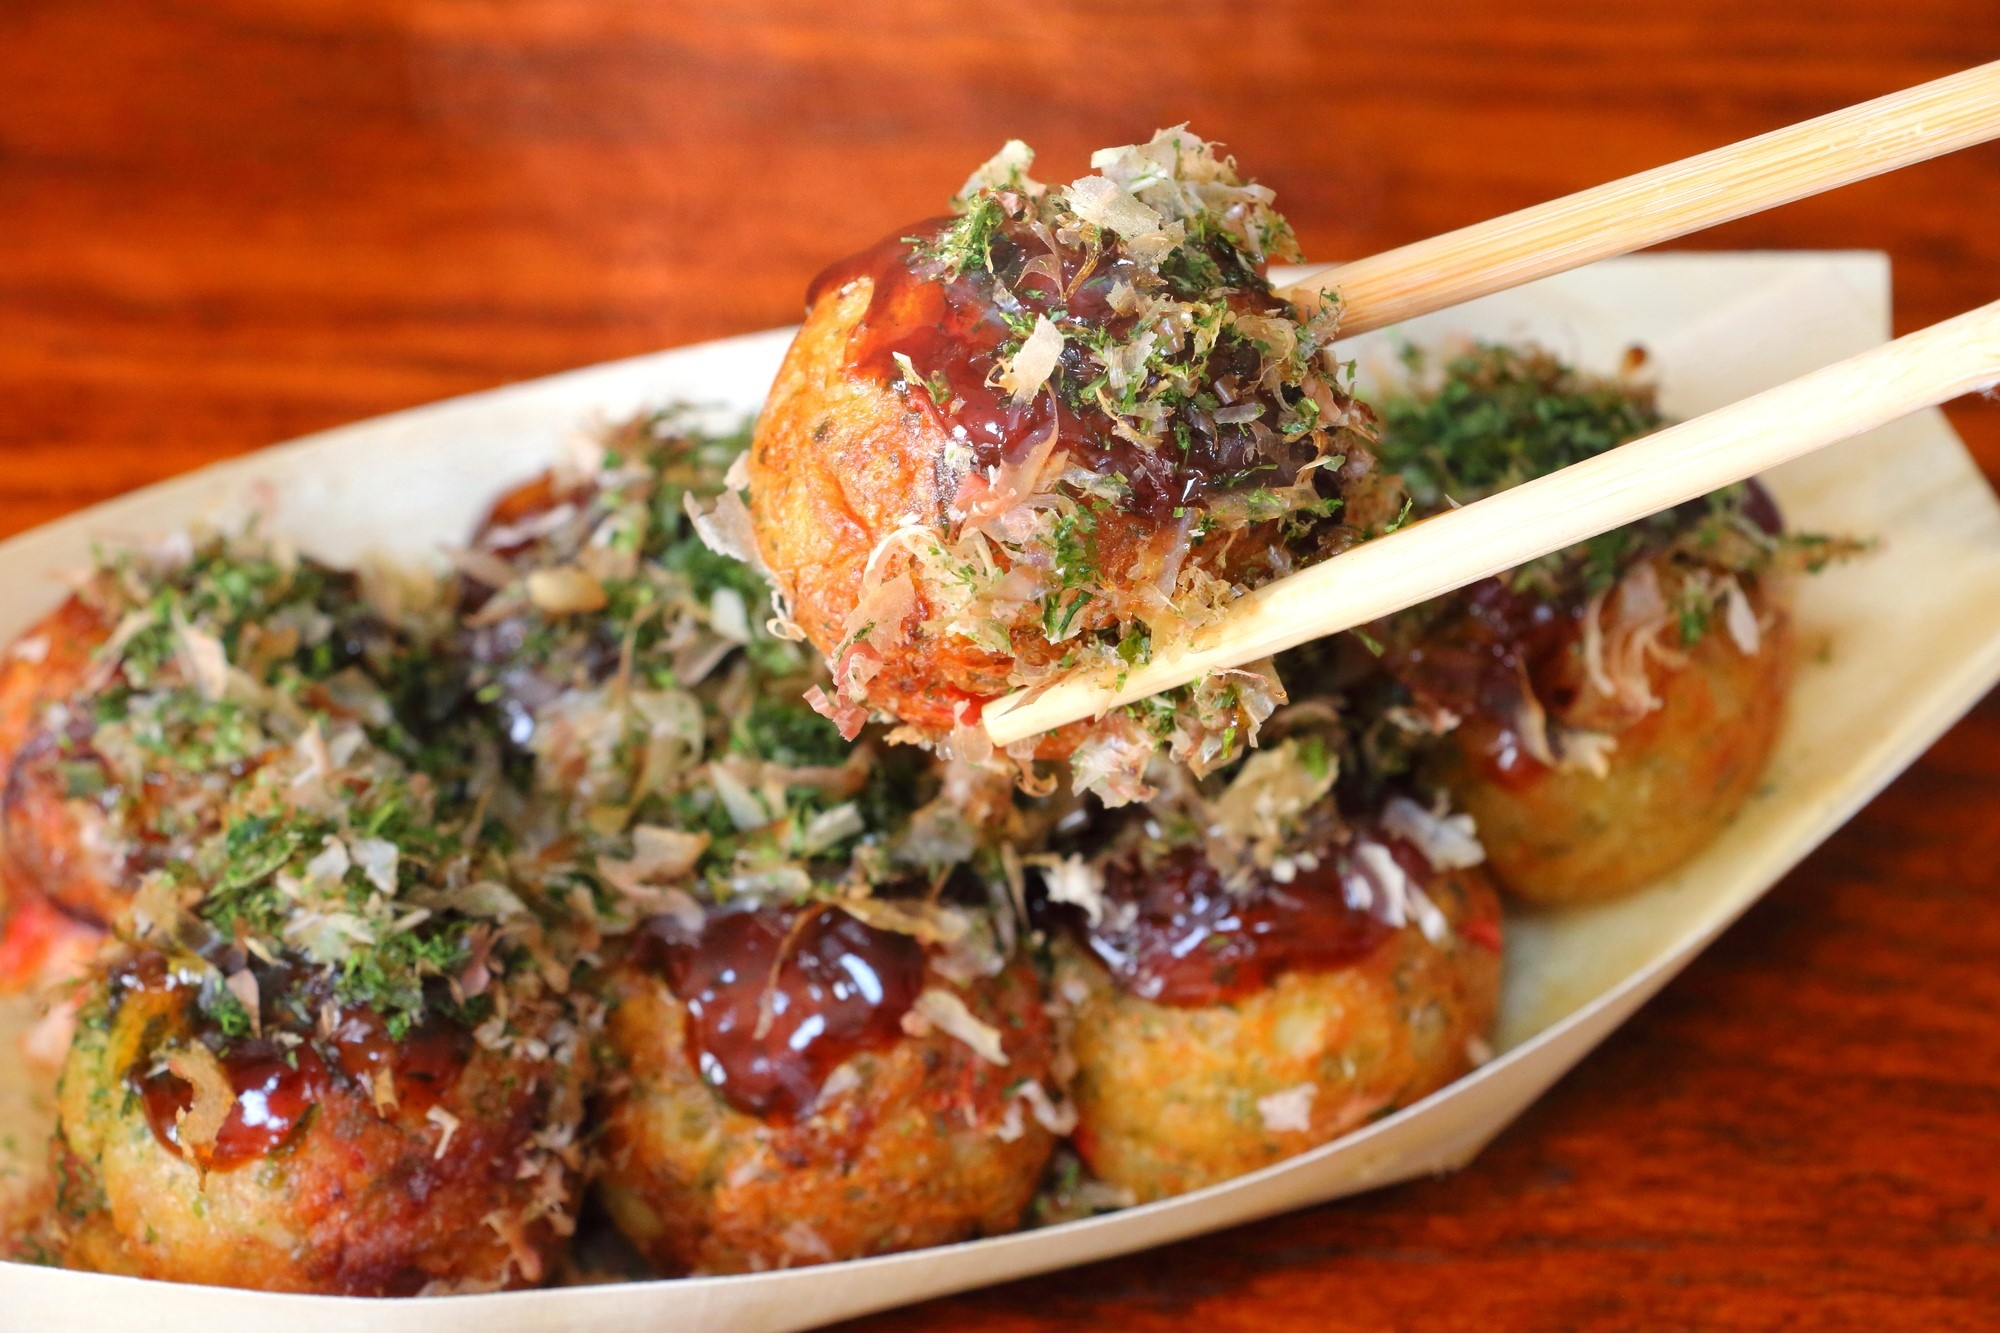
x=1422 y=561
x=1776 y=168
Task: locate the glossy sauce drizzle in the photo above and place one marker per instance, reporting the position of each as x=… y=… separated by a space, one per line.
x=1480 y=661
x=842 y=987
x=278 y=1088
x=951 y=330
x=275 y=1097
x=1174 y=933
x=1497 y=642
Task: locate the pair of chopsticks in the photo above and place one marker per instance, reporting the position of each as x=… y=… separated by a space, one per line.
x=1651 y=474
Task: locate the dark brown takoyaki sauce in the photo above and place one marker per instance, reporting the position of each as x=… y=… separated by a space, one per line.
x=952 y=330
x=274 y=1098
x=422 y=1064
x=1193 y=943
x=1479 y=660
x=278 y=1086
x=778 y=1000
x=1494 y=642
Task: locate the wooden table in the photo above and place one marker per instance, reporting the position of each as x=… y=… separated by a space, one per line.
x=224 y=222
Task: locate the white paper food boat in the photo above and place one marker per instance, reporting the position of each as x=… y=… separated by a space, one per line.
x=1896 y=646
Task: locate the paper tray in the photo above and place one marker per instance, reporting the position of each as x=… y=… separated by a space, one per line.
x=1896 y=645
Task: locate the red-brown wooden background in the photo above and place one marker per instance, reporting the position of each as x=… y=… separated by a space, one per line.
x=228 y=222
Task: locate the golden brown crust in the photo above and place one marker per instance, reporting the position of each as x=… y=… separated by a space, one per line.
x=58 y=846
x=1168 y=1097
x=926 y=1145
x=837 y=463
x=1674 y=781
x=48 y=662
x=827 y=478
x=363 y=1201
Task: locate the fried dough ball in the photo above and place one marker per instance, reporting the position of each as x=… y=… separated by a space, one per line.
x=1673 y=780
x=622 y=654
x=49 y=662
x=787 y=1084
x=45 y=841
x=874 y=1115
x=1295 y=1018
x=346 y=1160
x=1605 y=711
x=334 y=1050
x=61 y=842
x=1245 y=969
x=121 y=747
x=1054 y=431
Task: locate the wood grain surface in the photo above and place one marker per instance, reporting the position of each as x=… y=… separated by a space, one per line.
x=228 y=222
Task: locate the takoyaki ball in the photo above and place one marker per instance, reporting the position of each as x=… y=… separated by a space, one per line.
x=1219 y=1029
x=1052 y=431
x=225 y=652
x=794 y=1087
x=1605 y=711
x=48 y=663
x=64 y=837
x=1632 y=799
x=613 y=644
x=314 y=1149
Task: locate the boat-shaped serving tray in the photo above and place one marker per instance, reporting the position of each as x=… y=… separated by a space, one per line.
x=1898 y=645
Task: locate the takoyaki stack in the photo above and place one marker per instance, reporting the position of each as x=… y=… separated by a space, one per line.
x=659 y=852
x=331 y=1052
x=1605 y=711
x=1054 y=430
x=424 y=913
x=822 y=1038
x=1255 y=964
